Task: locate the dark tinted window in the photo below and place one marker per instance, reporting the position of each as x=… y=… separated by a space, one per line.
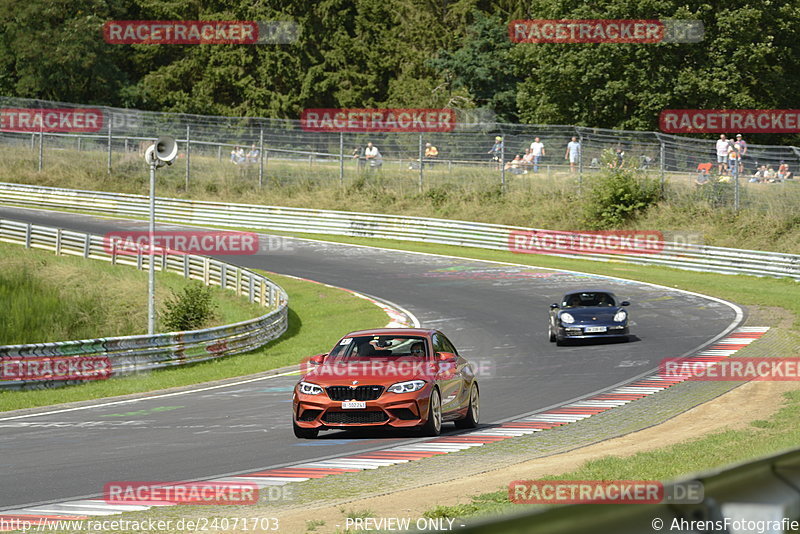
x=590 y=298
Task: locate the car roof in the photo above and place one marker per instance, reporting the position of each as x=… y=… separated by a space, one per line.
x=393 y=332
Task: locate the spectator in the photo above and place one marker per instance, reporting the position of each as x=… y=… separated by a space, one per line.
x=733 y=159
x=527 y=159
x=619 y=159
x=783 y=172
x=252 y=155
x=497 y=150
x=760 y=175
x=703 y=172
x=573 y=153
x=770 y=176
x=742 y=152
x=722 y=154
x=431 y=153
x=645 y=162
x=373 y=156
x=537 y=147
x=358 y=155
x=515 y=166
x=234 y=156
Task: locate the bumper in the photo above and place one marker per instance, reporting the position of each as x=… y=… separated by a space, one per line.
x=578 y=332
x=404 y=410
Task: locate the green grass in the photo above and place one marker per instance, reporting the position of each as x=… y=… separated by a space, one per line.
x=56 y=298
x=549 y=199
x=715 y=450
x=318 y=316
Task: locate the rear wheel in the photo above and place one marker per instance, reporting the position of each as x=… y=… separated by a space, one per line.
x=433 y=426
x=473 y=412
x=304 y=433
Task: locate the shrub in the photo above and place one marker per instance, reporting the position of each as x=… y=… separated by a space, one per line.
x=617 y=196
x=189 y=310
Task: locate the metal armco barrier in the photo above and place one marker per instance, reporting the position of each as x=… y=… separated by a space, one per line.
x=755 y=496
x=461 y=233
x=130 y=354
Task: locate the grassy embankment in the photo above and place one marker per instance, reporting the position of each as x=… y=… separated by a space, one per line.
x=769 y=219
x=51 y=298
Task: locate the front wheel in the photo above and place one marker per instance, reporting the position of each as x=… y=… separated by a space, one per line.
x=304 y=433
x=433 y=426
x=473 y=412
x=551 y=334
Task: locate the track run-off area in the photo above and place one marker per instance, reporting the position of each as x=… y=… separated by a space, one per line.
x=496 y=315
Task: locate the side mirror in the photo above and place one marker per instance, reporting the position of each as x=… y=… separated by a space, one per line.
x=624 y=303
x=446 y=356
x=318 y=359
x=554 y=306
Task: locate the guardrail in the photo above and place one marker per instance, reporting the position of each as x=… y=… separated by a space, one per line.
x=757 y=496
x=113 y=356
x=461 y=233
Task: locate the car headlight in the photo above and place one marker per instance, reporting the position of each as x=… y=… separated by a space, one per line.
x=620 y=316
x=307 y=388
x=406 y=387
x=567 y=318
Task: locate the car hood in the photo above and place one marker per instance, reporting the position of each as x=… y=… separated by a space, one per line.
x=369 y=371
x=593 y=314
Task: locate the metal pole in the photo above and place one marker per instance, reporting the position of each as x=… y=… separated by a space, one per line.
x=219 y=152
x=580 y=164
x=79 y=143
x=188 y=150
x=109 y=147
x=502 y=164
x=736 y=191
x=151 y=283
x=421 y=153
x=41 y=150
x=662 y=149
x=341 y=159
x=260 y=157
x=33 y=142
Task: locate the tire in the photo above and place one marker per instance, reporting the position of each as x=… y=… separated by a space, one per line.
x=551 y=334
x=304 y=433
x=473 y=412
x=560 y=342
x=433 y=426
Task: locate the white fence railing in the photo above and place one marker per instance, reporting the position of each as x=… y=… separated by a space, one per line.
x=461 y=233
x=45 y=364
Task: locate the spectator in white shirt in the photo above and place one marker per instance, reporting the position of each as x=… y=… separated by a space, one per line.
x=537 y=148
x=373 y=155
x=722 y=154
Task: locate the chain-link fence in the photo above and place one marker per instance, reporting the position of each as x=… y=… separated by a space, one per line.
x=257 y=150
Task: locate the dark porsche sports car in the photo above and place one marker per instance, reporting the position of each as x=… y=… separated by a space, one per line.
x=400 y=377
x=588 y=314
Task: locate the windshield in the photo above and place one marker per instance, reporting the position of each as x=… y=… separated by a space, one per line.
x=362 y=347
x=591 y=298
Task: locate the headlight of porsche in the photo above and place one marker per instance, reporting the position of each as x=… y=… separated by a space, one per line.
x=567 y=318
x=307 y=388
x=621 y=316
x=406 y=387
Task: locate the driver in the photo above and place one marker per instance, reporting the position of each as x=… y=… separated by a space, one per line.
x=418 y=349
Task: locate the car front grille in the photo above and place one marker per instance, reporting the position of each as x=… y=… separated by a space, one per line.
x=359 y=393
x=350 y=418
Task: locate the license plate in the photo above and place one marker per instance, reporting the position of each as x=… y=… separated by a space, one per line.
x=594 y=329
x=353 y=405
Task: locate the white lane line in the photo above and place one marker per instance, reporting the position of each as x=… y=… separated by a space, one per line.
x=150 y=397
